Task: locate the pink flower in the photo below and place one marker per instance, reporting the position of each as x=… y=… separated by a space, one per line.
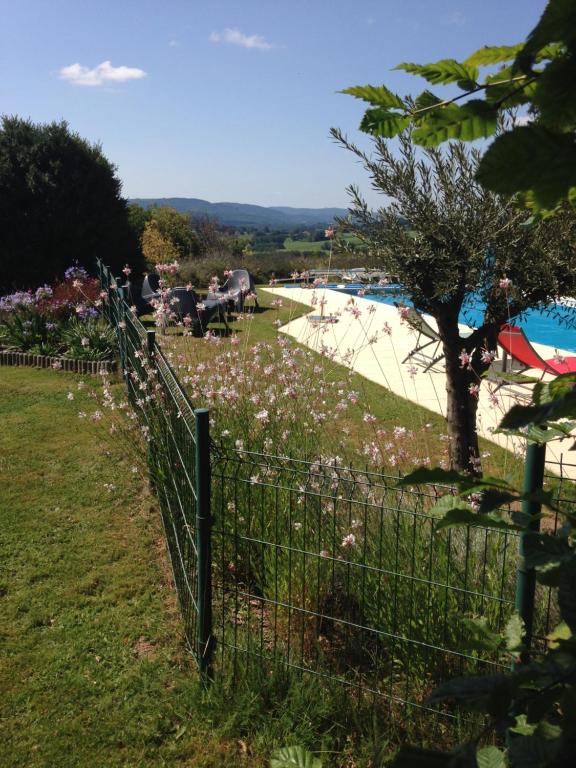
x=487 y=356
x=329 y=233
x=465 y=360
x=474 y=390
x=403 y=312
x=349 y=540
x=126 y=270
x=505 y=283
x=369 y=418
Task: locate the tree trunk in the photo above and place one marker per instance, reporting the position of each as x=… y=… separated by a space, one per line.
x=461 y=408
x=462 y=405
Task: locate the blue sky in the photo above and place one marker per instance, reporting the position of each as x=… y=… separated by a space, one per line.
x=231 y=100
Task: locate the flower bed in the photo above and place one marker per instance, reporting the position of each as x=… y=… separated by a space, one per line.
x=57 y=325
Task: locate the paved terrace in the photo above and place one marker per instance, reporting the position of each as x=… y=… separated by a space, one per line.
x=381 y=361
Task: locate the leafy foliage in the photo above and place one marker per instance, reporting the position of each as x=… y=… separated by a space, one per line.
x=89 y=339
x=538 y=159
x=532 y=707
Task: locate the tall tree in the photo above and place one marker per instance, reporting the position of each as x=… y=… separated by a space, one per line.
x=60 y=202
x=464 y=243
x=177 y=228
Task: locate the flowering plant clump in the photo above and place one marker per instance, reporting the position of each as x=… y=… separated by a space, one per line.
x=45 y=321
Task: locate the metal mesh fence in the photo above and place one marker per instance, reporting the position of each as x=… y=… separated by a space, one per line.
x=337 y=573
x=319 y=569
x=170 y=428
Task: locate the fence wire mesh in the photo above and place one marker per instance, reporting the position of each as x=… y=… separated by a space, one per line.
x=322 y=569
x=169 y=423
x=338 y=573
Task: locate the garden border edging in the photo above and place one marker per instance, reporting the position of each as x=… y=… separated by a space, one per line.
x=9 y=357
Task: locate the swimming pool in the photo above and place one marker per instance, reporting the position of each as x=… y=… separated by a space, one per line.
x=554 y=325
x=540 y=325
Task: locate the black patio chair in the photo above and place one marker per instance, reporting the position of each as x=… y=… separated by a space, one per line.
x=185 y=303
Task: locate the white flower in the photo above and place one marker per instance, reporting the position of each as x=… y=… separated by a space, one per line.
x=349 y=540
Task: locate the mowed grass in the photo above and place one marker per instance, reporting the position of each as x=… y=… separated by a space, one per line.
x=93 y=668
x=314 y=246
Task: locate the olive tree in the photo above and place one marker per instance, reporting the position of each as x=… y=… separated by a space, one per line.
x=463 y=243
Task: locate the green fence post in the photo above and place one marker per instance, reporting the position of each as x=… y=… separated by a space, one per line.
x=204 y=644
x=526 y=577
x=150 y=343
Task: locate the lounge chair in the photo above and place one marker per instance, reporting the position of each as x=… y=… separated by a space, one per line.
x=427 y=337
x=185 y=303
x=517 y=346
x=234 y=291
x=150 y=287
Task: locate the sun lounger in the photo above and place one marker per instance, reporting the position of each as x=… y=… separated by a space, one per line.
x=428 y=339
x=517 y=346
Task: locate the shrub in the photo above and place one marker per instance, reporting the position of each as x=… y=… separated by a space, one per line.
x=89 y=339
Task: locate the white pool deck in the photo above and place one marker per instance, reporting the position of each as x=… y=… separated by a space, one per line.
x=381 y=360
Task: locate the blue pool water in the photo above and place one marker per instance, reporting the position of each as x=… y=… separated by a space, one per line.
x=554 y=325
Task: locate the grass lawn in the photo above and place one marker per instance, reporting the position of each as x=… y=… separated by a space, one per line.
x=307 y=246
x=93 y=670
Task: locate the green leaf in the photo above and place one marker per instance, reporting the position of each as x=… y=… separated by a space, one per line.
x=493 y=54
x=474 y=120
x=455 y=518
x=514 y=632
x=294 y=757
x=560 y=632
x=507 y=92
x=523 y=727
x=491 y=757
x=494 y=499
x=489 y=693
x=381 y=122
x=544 y=549
x=426 y=100
x=480 y=637
x=379 y=96
x=444 y=72
x=555 y=93
x=557 y=24
x=447 y=503
x=532 y=158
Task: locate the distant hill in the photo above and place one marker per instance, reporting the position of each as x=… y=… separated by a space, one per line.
x=244 y=215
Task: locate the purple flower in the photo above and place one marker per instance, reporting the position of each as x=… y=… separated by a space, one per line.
x=44 y=292
x=15 y=300
x=75 y=272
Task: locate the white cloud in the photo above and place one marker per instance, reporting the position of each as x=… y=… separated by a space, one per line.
x=174 y=44
x=236 y=37
x=103 y=73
